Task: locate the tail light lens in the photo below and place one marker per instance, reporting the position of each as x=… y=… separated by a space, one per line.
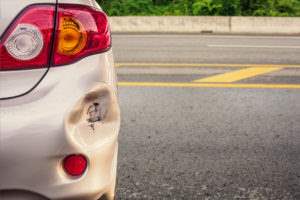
x=80 y=31
x=27 y=43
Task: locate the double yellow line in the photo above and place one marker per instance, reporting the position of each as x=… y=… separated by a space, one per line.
x=209 y=85
x=203 y=65
x=225 y=80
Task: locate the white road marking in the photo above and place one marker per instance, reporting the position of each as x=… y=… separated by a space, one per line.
x=253 y=46
x=203 y=36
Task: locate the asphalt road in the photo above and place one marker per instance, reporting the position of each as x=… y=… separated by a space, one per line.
x=207 y=49
x=184 y=136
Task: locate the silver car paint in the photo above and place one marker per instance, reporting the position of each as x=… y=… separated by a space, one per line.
x=39 y=129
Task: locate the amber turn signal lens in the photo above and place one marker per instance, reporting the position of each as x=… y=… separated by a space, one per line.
x=72 y=36
x=80 y=31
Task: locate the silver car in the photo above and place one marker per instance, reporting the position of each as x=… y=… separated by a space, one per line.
x=59 y=112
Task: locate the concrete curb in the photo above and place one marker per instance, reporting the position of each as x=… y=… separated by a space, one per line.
x=207 y=24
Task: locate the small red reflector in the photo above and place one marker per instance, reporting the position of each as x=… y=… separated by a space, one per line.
x=75 y=165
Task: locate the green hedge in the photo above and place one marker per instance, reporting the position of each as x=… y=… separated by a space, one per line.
x=201 y=7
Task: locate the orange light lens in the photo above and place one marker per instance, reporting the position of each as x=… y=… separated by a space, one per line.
x=72 y=36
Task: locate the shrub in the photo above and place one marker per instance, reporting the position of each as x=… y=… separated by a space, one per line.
x=202 y=7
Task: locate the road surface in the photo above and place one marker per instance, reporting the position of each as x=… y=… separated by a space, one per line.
x=209 y=117
x=207 y=49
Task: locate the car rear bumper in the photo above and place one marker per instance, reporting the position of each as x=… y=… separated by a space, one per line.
x=40 y=129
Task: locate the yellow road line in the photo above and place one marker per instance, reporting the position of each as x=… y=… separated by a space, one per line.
x=254 y=46
x=192 y=65
x=208 y=85
x=238 y=75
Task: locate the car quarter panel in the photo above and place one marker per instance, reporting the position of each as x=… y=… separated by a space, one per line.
x=91 y=3
x=39 y=129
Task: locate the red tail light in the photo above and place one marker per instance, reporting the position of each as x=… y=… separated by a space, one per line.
x=27 y=43
x=80 y=31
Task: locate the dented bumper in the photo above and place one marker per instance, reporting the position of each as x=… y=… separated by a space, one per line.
x=39 y=130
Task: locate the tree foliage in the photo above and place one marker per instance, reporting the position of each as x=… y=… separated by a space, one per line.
x=202 y=7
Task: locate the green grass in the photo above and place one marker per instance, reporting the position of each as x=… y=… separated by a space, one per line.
x=201 y=7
